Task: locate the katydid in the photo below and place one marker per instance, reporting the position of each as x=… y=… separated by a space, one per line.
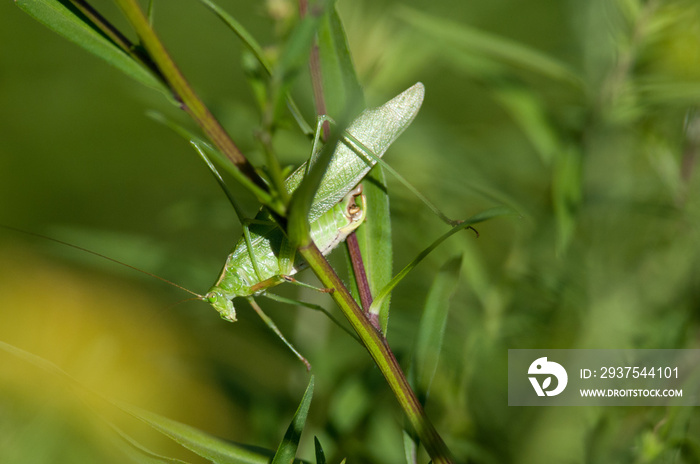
x=338 y=207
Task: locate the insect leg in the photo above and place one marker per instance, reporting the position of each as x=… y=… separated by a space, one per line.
x=274 y=328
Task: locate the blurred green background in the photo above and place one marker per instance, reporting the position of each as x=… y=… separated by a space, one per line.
x=582 y=116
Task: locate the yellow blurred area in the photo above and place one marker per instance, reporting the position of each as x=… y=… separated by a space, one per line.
x=112 y=340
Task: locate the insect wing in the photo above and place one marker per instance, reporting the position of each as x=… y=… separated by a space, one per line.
x=376 y=129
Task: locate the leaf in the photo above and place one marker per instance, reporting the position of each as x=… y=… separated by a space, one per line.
x=341 y=88
x=257 y=51
x=528 y=112
x=294 y=56
x=374 y=239
x=288 y=447
x=320 y=455
x=461 y=39
x=136 y=451
x=245 y=36
x=567 y=194
x=62 y=20
x=410 y=448
x=201 y=443
x=197 y=441
x=202 y=148
x=432 y=324
x=483 y=216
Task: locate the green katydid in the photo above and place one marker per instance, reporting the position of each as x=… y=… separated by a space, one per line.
x=338 y=208
x=263 y=257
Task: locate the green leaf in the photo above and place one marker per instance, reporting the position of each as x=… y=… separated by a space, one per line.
x=201 y=147
x=245 y=36
x=320 y=455
x=483 y=216
x=455 y=38
x=410 y=448
x=374 y=239
x=136 y=451
x=201 y=443
x=288 y=447
x=294 y=56
x=62 y=20
x=197 y=441
x=257 y=51
x=567 y=194
x=432 y=325
x=529 y=113
x=341 y=88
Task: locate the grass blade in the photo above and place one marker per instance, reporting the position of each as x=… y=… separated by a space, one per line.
x=199 y=442
x=242 y=33
x=483 y=216
x=204 y=148
x=432 y=325
x=374 y=238
x=320 y=455
x=257 y=51
x=341 y=88
x=288 y=448
x=64 y=21
x=463 y=39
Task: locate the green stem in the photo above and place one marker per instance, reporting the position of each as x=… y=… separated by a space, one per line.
x=109 y=30
x=379 y=349
x=191 y=103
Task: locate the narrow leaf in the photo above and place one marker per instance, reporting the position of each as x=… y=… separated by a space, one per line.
x=197 y=441
x=410 y=448
x=287 y=449
x=136 y=451
x=201 y=443
x=374 y=238
x=460 y=38
x=294 y=56
x=201 y=146
x=483 y=216
x=529 y=113
x=257 y=51
x=320 y=455
x=245 y=36
x=432 y=325
x=341 y=88
x=567 y=193
x=60 y=19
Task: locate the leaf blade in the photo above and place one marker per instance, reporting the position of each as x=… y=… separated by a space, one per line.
x=286 y=452
x=374 y=239
x=483 y=216
x=57 y=17
x=432 y=324
x=462 y=39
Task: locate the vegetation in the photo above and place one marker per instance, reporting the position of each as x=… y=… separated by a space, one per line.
x=580 y=117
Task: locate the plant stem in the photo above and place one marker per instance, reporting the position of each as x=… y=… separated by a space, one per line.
x=358 y=267
x=378 y=348
x=184 y=93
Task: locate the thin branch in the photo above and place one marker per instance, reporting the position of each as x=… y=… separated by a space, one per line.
x=184 y=92
x=378 y=348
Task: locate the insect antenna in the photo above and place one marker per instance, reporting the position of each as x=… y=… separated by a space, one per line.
x=94 y=253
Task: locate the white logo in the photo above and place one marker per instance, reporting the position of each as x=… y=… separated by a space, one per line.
x=542 y=366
